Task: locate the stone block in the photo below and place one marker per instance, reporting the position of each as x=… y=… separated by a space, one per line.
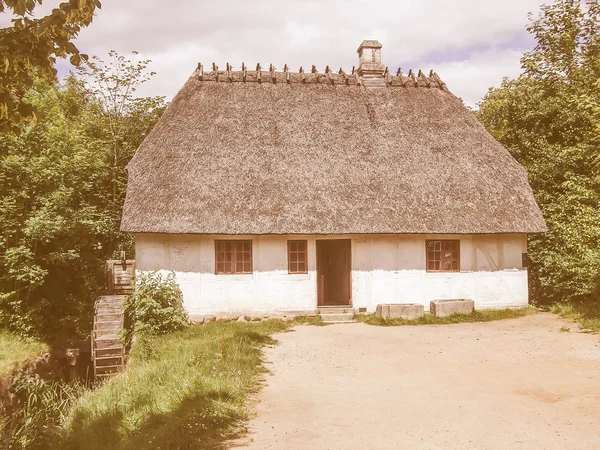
x=408 y=311
x=254 y=318
x=445 y=308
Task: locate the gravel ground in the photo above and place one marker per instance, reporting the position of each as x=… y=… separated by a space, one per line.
x=508 y=384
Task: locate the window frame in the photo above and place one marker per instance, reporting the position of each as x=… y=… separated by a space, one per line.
x=442 y=255
x=290 y=241
x=233 y=256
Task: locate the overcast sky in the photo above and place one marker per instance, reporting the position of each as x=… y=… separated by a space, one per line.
x=471 y=44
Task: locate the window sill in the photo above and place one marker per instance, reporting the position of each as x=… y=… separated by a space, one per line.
x=444 y=272
x=234 y=276
x=298 y=276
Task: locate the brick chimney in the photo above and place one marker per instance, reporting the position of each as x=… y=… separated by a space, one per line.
x=369 y=60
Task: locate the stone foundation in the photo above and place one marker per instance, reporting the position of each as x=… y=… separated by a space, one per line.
x=198 y=319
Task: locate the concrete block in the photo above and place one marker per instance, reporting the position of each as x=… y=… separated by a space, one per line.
x=407 y=311
x=445 y=308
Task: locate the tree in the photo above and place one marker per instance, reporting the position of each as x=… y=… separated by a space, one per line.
x=549 y=119
x=124 y=118
x=30 y=48
x=59 y=221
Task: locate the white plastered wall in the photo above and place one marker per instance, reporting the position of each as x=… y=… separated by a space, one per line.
x=385 y=269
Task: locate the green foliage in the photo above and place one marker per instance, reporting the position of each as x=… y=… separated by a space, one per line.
x=182 y=390
x=126 y=118
x=549 y=119
x=40 y=406
x=430 y=319
x=156 y=307
x=61 y=194
x=30 y=47
x=17 y=351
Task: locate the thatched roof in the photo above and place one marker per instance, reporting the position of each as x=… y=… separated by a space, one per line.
x=266 y=152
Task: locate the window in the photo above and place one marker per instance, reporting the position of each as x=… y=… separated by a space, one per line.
x=443 y=256
x=297 y=260
x=233 y=257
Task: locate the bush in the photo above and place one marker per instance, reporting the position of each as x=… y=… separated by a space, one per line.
x=156 y=307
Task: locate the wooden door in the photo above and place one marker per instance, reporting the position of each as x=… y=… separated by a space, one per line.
x=334 y=272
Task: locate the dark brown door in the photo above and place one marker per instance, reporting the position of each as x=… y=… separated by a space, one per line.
x=333 y=272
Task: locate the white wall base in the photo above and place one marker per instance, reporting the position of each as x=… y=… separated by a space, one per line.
x=385 y=269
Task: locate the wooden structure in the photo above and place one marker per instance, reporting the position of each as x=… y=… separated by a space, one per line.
x=108 y=352
x=120 y=274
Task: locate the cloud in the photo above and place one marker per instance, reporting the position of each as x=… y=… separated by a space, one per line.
x=471 y=78
x=470 y=43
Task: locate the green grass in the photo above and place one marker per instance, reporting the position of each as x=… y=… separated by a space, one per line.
x=17 y=351
x=429 y=319
x=183 y=390
x=587 y=317
x=308 y=320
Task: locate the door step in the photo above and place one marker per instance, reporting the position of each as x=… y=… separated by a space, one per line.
x=336 y=310
x=337 y=318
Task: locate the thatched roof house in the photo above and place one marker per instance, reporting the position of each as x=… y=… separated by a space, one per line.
x=267 y=152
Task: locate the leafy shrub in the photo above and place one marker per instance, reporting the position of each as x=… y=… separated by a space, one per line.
x=156 y=307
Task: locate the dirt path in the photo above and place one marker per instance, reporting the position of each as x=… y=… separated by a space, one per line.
x=508 y=384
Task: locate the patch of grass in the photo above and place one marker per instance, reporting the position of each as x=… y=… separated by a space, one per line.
x=17 y=351
x=182 y=390
x=308 y=320
x=564 y=329
x=588 y=317
x=430 y=319
x=38 y=408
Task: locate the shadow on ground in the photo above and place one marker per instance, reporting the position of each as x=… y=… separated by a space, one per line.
x=194 y=425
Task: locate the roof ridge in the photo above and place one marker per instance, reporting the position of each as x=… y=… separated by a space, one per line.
x=315 y=77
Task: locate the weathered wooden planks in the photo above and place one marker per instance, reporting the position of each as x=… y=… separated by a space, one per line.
x=108 y=353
